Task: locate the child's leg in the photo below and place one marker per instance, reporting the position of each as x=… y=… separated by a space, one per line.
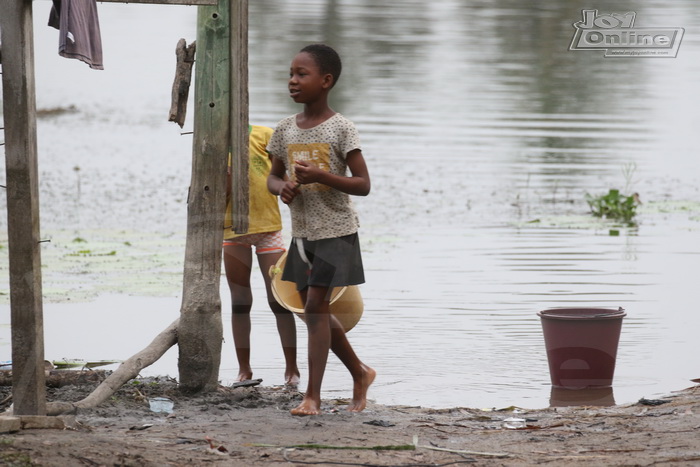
x=325 y=332
x=362 y=375
x=237 y=263
x=286 y=326
x=317 y=318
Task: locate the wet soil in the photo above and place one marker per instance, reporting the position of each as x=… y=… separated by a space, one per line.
x=252 y=426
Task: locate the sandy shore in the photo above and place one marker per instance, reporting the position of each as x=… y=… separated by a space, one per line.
x=252 y=426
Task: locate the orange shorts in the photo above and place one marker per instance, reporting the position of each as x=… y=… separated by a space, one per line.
x=264 y=243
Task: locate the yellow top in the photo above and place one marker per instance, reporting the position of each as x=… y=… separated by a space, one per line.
x=264 y=212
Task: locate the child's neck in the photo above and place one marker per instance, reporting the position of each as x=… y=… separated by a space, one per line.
x=314 y=114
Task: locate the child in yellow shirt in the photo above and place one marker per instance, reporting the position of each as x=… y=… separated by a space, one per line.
x=265 y=233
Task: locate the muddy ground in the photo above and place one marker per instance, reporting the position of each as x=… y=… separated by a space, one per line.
x=252 y=426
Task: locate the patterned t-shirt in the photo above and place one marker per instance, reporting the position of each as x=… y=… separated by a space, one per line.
x=319 y=211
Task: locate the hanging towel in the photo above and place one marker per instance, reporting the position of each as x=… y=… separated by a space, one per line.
x=79 y=30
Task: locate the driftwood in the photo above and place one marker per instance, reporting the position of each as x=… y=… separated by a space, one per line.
x=126 y=371
x=183 y=78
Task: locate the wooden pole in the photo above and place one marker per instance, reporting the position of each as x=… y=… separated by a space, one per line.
x=19 y=105
x=240 y=186
x=201 y=331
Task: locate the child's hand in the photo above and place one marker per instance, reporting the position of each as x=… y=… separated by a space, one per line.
x=289 y=191
x=306 y=172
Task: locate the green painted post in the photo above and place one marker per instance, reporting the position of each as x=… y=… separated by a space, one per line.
x=200 y=331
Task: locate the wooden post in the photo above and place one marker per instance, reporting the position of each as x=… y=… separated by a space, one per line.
x=240 y=186
x=19 y=101
x=201 y=331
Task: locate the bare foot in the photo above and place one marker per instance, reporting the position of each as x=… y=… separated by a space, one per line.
x=292 y=379
x=244 y=376
x=359 y=390
x=307 y=407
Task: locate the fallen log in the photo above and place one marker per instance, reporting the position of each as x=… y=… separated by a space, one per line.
x=128 y=370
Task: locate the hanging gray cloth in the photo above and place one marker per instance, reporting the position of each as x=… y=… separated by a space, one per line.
x=79 y=30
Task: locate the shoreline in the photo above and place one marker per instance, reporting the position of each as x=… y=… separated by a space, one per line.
x=252 y=426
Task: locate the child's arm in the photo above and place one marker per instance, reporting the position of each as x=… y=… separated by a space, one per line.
x=278 y=184
x=357 y=184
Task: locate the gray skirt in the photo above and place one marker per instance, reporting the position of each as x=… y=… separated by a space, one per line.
x=335 y=262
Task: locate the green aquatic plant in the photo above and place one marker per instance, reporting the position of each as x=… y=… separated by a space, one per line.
x=92 y=253
x=614 y=205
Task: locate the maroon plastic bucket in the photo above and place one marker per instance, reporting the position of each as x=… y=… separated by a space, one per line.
x=581 y=345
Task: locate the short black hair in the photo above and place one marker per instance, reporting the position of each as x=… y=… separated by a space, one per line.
x=326 y=58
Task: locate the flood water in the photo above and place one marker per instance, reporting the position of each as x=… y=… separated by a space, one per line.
x=483 y=133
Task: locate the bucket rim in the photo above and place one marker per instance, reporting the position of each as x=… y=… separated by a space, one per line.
x=336 y=293
x=582 y=313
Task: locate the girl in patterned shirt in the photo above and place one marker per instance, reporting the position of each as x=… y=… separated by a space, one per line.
x=314 y=148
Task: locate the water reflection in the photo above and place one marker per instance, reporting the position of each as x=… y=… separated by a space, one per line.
x=482 y=132
x=598 y=397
